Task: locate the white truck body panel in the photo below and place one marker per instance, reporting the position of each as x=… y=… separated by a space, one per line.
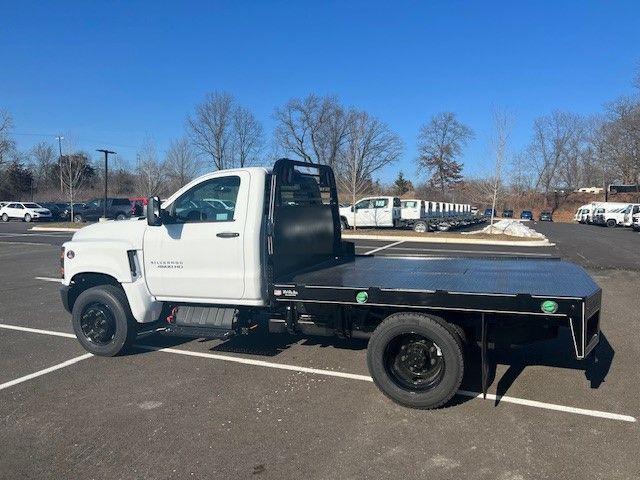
x=412 y=209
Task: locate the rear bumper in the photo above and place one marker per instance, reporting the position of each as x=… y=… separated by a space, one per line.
x=64 y=296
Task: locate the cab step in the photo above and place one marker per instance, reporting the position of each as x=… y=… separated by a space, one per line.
x=202 y=321
x=198 y=332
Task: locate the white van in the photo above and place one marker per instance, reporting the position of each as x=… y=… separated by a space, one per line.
x=610 y=214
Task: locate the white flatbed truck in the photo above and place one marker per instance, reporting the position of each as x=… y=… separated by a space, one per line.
x=269 y=255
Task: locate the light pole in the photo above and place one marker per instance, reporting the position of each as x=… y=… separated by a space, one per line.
x=60 y=138
x=106 y=159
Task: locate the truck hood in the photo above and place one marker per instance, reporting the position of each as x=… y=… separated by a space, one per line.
x=131 y=231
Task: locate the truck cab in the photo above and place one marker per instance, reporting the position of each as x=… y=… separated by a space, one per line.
x=376 y=212
x=412 y=209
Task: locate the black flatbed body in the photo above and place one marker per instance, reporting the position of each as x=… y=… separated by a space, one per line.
x=510 y=286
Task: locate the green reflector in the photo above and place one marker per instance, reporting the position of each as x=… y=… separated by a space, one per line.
x=362 y=297
x=549 y=306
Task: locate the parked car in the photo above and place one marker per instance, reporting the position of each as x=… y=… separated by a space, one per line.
x=56 y=209
x=26 y=211
x=546 y=217
x=526 y=215
x=371 y=212
x=508 y=213
x=117 y=208
x=488 y=211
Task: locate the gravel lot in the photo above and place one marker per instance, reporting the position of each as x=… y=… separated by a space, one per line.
x=274 y=407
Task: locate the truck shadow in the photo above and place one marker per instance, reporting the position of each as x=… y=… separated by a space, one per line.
x=270 y=344
x=595 y=368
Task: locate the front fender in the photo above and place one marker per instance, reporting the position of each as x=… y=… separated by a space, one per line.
x=101 y=256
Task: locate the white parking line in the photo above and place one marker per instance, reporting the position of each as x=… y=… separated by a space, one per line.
x=371 y=252
x=37 y=330
x=36 y=234
x=45 y=371
x=49 y=279
x=349 y=376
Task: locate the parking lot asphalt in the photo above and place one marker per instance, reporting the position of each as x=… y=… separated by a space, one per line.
x=286 y=407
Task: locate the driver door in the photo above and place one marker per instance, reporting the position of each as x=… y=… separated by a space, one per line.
x=197 y=253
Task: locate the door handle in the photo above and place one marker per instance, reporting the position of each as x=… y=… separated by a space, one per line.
x=227 y=234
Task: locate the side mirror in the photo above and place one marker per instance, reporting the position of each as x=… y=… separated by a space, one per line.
x=153 y=212
x=352 y=208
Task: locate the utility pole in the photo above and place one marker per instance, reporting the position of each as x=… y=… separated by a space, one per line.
x=106 y=159
x=60 y=138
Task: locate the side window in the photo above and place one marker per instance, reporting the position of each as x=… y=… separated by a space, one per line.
x=20 y=206
x=210 y=201
x=380 y=203
x=363 y=204
x=93 y=204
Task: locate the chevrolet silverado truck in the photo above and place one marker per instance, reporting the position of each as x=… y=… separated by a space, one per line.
x=272 y=259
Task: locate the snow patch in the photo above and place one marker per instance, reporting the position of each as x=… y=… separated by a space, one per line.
x=510 y=227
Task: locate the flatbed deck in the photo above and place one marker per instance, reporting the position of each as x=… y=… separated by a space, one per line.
x=512 y=286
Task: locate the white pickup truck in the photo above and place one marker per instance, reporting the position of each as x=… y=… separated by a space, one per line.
x=251 y=249
x=372 y=212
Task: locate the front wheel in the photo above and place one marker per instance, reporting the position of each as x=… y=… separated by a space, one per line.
x=5 y=217
x=611 y=222
x=103 y=322
x=27 y=218
x=416 y=360
x=121 y=216
x=77 y=218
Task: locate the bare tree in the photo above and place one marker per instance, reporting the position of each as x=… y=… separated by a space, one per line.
x=440 y=143
x=74 y=169
x=312 y=128
x=181 y=163
x=210 y=128
x=246 y=137
x=502 y=123
x=149 y=171
x=43 y=158
x=370 y=145
x=7 y=144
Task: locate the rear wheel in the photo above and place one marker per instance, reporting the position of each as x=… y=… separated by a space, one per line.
x=121 y=216
x=420 y=226
x=5 y=217
x=27 y=217
x=416 y=360
x=103 y=322
x=611 y=223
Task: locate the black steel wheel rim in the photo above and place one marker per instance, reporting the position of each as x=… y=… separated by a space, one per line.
x=98 y=324
x=414 y=362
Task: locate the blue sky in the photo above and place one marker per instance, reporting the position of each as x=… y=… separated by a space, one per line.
x=108 y=74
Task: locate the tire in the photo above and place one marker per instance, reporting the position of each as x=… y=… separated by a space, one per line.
x=343 y=225
x=121 y=216
x=103 y=322
x=384 y=354
x=420 y=226
x=611 y=223
x=5 y=217
x=77 y=218
x=27 y=218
